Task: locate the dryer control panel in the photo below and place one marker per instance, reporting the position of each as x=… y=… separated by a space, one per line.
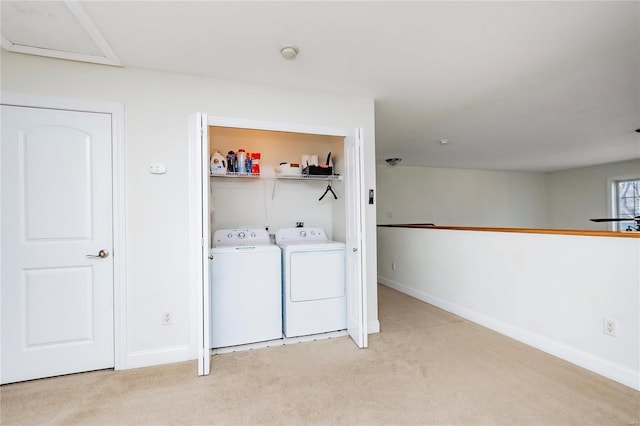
x=301 y=234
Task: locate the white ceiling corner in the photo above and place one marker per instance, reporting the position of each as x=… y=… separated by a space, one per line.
x=65 y=32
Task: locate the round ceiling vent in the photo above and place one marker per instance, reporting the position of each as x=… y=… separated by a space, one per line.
x=289 y=52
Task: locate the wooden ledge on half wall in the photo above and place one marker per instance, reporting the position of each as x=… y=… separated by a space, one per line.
x=623 y=234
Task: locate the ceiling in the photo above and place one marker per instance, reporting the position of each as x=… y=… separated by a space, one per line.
x=529 y=86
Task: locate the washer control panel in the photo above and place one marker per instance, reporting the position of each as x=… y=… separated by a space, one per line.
x=240 y=237
x=300 y=234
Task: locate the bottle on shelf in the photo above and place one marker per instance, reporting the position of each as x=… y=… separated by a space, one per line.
x=241 y=159
x=231 y=162
x=255 y=163
x=218 y=164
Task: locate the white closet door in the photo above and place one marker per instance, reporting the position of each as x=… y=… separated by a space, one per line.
x=57 y=303
x=199 y=209
x=356 y=286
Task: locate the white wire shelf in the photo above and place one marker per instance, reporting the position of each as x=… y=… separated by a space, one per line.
x=235 y=175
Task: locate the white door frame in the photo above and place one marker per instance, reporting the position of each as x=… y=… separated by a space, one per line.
x=196 y=241
x=116 y=110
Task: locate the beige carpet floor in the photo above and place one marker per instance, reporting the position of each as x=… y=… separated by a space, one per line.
x=425 y=367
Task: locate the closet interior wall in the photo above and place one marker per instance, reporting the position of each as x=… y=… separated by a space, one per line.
x=271 y=203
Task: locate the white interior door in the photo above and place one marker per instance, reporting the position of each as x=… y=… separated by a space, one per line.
x=199 y=148
x=57 y=302
x=356 y=288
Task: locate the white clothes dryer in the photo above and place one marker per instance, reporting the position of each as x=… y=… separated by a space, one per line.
x=313 y=282
x=246 y=293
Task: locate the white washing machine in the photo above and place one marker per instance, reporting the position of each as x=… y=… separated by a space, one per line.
x=246 y=292
x=313 y=282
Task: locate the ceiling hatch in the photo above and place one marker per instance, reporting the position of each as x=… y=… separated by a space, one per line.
x=57 y=29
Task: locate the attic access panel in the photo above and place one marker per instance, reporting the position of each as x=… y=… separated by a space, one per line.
x=56 y=29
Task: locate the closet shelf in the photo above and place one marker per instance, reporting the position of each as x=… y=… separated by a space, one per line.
x=309 y=177
x=279 y=177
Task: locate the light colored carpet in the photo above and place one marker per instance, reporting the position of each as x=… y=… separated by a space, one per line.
x=426 y=367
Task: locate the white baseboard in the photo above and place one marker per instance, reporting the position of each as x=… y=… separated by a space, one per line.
x=613 y=371
x=373 y=327
x=183 y=353
x=157 y=357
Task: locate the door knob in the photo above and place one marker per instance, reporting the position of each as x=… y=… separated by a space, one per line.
x=101 y=254
x=354 y=249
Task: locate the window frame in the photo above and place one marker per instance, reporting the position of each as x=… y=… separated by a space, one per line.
x=612 y=195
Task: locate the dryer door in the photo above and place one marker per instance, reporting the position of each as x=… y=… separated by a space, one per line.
x=317 y=275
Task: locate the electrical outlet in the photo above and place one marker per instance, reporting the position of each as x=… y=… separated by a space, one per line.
x=167 y=318
x=393 y=266
x=610 y=327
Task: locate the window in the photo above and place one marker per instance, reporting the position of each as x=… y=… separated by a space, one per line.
x=627 y=202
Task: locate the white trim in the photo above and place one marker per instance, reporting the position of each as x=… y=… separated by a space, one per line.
x=198 y=169
x=195 y=200
x=280 y=342
x=195 y=263
x=119 y=236
x=205 y=184
x=363 y=197
x=68 y=104
x=276 y=126
x=612 y=197
x=93 y=32
x=373 y=327
x=611 y=203
x=118 y=209
x=49 y=53
x=158 y=356
x=6 y=43
x=616 y=372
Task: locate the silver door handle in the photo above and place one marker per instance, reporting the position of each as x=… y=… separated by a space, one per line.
x=210 y=257
x=101 y=254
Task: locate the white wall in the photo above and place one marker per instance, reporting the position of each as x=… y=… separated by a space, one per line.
x=459 y=197
x=549 y=291
x=579 y=194
x=157 y=106
x=249 y=203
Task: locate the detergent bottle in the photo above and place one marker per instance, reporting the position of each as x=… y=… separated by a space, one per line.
x=241 y=158
x=218 y=164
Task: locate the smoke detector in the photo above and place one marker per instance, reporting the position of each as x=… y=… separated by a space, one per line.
x=393 y=161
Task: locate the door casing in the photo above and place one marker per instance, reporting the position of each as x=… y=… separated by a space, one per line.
x=199 y=240
x=116 y=110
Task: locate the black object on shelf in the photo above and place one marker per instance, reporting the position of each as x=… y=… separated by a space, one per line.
x=317 y=170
